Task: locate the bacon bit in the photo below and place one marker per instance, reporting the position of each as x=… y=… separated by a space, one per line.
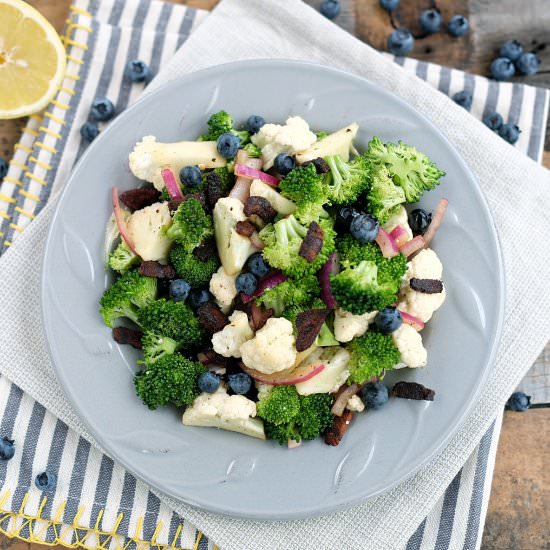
x=130 y=336
x=157 y=270
x=245 y=228
x=308 y=325
x=136 y=199
x=339 y=426
x=321 y=167
x=258 y=316
x=261 y=207
x=211 y=317
x=313 y=243
x=436 y=221
x=213 y=188
x=205 y=250
x=427 y=286
x=412 y=390
x=173 y=204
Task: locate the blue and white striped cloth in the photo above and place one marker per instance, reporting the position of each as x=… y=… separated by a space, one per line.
x=98 y=503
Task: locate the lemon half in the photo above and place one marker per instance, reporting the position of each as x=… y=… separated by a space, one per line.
x=32 y=60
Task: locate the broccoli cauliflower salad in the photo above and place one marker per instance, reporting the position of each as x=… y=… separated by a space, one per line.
x=272 y=275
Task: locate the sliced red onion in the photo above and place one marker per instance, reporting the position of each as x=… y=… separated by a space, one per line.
x=121 y=223
x=252 y=173
x=172 y=186
x=342 y=400
x=437 y=218
x=399 y=235
x=330 y=268
x=387 y=245
x=270 y=281
x=241 y=190
x=257 y=243
x=412 y=246
x=287 y=377
x=409 y=319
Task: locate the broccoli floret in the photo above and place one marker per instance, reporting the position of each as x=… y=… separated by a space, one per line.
x=408 y=168
x=370 y=355
x=384 y=197
x=308 y=190
x=360 y=289
x=122 y=258
x=253 y=151
x=325 y=338
x=282 y=246
x=196 y=272
x=171 y=379
x=155 y=347
x=164 y=195
x=220 y=123
x=290 y=293
x=190 y=225
x=347 y=180
x=127 y=296
x=174 y=320
x=321 y=135
x=288 y=415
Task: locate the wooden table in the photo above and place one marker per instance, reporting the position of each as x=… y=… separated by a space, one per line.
x=519 y=509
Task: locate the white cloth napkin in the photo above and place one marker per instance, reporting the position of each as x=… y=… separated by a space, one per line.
x=517 y=191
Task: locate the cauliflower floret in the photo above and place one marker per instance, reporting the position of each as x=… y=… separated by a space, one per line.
x=260 y=189
x=228 y=341
x=425 y=265
x=409 y=343
x=355 y=404
x=348 y=326
x=337 y=143
x=291 y=138
x=272 y=349
x=399 y=218
x=146 y=231
x=222 y=286
x=228 y=412
x=149 y=157
x=332 y=376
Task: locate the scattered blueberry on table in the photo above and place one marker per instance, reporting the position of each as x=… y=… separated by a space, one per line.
x=364 y=228
x=509 y=132
x=198 y=297
x=46 y=481
x=430 y=20
x=330 y=9
x=388 y=320
x=240 y=383
x=3 y=168
x=389 y=5
x=463 y=98
x=191 y=176
x=528 y=64
x=7 y=448
x=400 y=42
x=518 y=402
x=511 y=49
x=493 y=120
x=103 y=109
x=138 y=71
x=458 y=25
x=246 y=283
x=257 y=265
x=502 y=68
x=254 y=123
x=374 y=395
x=228 y=144
x=208 y=382
x=284 y=164
x=89 y=131
x=179 y=290
x=419 y=220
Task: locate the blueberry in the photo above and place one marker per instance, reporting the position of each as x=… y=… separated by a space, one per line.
x=46 y=481
x=330 y=9
x=179 y=290
x=400 y=42
x=208 y=382
x=103 y=109
x=3 y=168
x=493 y=121
x=257 y=265
x=518 y=402
x=246 y=283
x=502 y=68
x=389 y=5
x=138 y=71
x=228 y=145
x=463 y=98
x=89 y=131
x=198 y=297
x=7 y=448
x=419 y=220
x=388 y=320
x=511 y=49
x=528 y=64
x=458 y=25
x=344 y=216
x=284 y=164
x=430 y=20
x=364 y=228
x=254 y=123
x=509 y=132
x=240 y=383
x=191 y=176
x=374 y=395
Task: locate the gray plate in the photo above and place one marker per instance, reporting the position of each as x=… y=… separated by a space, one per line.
x=227 y=472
